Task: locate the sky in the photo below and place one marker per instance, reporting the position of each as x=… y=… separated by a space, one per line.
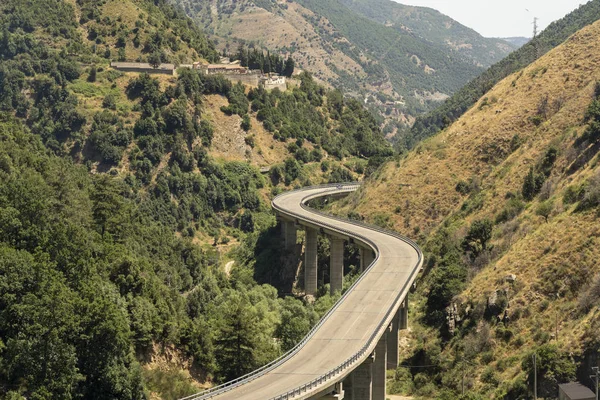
x=505 y=18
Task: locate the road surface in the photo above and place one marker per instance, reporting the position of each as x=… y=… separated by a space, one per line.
x=351 y=330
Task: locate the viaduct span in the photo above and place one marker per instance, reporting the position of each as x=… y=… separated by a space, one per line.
x=346 y=355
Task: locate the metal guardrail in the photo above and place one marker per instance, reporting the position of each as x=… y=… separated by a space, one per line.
x=368 y=347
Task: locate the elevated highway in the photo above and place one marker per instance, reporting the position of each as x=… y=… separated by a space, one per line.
x=347 y=353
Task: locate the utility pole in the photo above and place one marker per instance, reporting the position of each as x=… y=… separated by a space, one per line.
x=535 y=43
x=595 y=377
x=535 y=376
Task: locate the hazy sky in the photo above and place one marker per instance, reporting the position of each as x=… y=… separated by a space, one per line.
x=503 y=18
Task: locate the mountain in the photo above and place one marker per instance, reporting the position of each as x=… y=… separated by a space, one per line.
x=517 y=41
x=435 y=28
x=400 y=69
x=137 y=245
x=556 y=33
x=506 y=204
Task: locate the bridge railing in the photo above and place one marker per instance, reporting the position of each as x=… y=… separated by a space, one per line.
x=367 y=348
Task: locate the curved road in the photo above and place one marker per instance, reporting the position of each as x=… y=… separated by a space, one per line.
x=348 y=334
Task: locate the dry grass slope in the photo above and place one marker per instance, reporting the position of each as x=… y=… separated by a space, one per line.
x=554 y=262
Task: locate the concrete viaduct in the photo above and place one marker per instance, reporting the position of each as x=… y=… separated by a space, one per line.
x=346 y=355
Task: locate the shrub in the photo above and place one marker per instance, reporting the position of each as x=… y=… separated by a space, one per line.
x=478 y=237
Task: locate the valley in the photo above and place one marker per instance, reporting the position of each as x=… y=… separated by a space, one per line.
x=156 y=238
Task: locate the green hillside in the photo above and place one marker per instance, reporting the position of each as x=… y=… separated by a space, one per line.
x=116 y=223
x=435 y=27
x=461 y=101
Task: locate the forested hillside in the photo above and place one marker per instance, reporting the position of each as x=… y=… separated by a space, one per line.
x=453 y=108
x=506 y=204
x=435 y=27
x=116 y=219
x=400 y=70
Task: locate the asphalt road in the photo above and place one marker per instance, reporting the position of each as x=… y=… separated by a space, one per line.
x=358 y=317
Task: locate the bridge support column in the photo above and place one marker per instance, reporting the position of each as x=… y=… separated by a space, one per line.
x=362 y=382
x=379 y=369
x=366 y=258
x=336 y=267
x=310 y=262
x=289 y=233
x=392 y=342
x=403 y=314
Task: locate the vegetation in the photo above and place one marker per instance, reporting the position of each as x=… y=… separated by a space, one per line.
x=434 y=27
x=297 y=115
x=114 y=216
x=453 y=108
x=349 y=45
x=505 y=204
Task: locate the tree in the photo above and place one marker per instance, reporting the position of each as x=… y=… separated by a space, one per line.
x=246 y=124
x=544 y=209
x=553 y=367
x=295 y=323
x=155 y=59
x=290 y=65
x=246 y=324
x=532 y=184
x=479 y=235
x=93 y=73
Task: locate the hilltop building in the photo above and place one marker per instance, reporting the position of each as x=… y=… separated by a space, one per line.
x=232 y=71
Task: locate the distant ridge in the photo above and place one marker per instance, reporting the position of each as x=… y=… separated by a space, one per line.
x=518 y=41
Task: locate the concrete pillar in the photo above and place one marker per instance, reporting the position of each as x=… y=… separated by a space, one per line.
x=347 y=384
x=336 y=264
x=392 y=342
x=362 y=381
x=310 y=262
x=366 y=258
x=290 y=235
x=403 y=314
x=380 y=368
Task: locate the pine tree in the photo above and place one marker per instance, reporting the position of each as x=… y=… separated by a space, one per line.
x=290 y=65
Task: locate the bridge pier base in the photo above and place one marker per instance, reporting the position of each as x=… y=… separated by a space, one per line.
x=310 y=262
x=379 y=369
x=336 y=267
x=289 y=234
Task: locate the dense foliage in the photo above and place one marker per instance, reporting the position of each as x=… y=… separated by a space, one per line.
x=107 y=186
x=555 y=34
x=267 y=63
x=298 y=115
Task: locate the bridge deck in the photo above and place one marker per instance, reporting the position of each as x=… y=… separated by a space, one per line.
x=356 y=319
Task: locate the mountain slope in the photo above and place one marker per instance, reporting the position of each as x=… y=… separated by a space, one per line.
x=506 y=204
x=399 y=72
x=435 y=28
x=125 y=197
x=555 y=34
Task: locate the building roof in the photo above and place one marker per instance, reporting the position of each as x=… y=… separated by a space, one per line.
x=168 y=67
x=576 y=391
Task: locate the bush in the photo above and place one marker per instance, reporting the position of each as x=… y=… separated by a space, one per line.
x=110 y=102
x=478 y=237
